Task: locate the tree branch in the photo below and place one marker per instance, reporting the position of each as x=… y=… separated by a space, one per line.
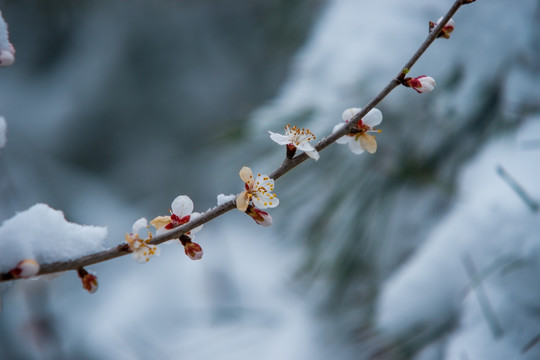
x=286 y=166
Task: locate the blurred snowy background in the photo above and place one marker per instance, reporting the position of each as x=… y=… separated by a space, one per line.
x=421 y=251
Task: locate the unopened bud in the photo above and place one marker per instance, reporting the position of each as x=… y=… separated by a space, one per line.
x=446 y=29
x=291 y=150
x=421 y=84
x=7 y=57
x=88 y=280
x=193 y=250
x=25 y=268
x=261 y=217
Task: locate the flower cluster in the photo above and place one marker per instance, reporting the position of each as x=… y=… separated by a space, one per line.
x=296 y=138
x=181 y=213
x=360 y=139
x=141 y=248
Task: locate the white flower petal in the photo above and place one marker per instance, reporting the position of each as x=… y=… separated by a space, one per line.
x=314 y=154
x=242 y=201
x=338 y=127
x=182 y=206
x=279 y=138
x=343 y=139
x=348 y=114
x=373 y=117
x=246 y=175
x=428 y=83
x=161 y=231
x=138 y=225
x=355 y=146
x=305 y=147
x=198 y=228
x=368 y=143
x=141 y=254
x=263 y=201
x=264 y=181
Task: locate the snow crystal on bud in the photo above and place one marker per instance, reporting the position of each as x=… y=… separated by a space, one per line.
x=7 y=51
x=43 y=234
x=222 y=199
x=25 y=268
x=3 y=127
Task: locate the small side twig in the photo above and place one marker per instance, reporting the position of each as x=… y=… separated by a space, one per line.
x=483 y=300
x=531 y=344
x=520 y=191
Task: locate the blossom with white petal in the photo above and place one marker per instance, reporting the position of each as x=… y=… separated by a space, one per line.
x=181 y=213
x=421 y=83
x=296 y=138
x=359 y=139
x=446 y=29
x=141 y=249
x=258 y=190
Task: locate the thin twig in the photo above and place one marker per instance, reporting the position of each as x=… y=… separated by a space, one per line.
x=286 y=166
x=483 y=300
x=535 y=341
x=520 y=191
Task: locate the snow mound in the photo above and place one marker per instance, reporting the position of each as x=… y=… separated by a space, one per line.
x=43 y=234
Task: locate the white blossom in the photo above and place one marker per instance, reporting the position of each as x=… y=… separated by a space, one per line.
x=359 y=139
x=296 y=138
x=258 y=190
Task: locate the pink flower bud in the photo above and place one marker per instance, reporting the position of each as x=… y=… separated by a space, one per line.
x=260 y=217
x=89 y=281
x=421 y=84
x=7 y=57
x=193 y=250
x=25 y=268
x=446 y=29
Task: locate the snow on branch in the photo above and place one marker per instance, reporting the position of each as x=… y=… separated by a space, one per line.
x=43 y=235
x=7 y=51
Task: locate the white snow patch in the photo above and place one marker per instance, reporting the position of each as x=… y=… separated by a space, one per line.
x=7 y=51
x=43 y=234
x=495 y=228
x=222 y=199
